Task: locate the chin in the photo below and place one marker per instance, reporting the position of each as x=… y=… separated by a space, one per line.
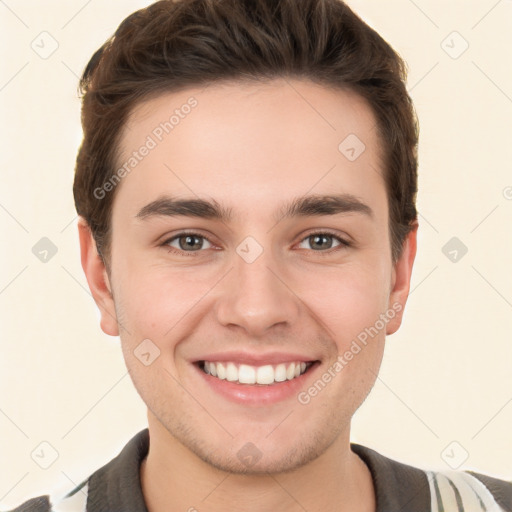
x=258 y=455
x=251 y=461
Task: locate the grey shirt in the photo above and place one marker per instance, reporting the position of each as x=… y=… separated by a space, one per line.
x=116 y=487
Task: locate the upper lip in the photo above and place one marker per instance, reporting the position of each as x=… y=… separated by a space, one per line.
x=255 y=359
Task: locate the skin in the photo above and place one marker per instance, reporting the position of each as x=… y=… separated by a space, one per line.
x=251 y=147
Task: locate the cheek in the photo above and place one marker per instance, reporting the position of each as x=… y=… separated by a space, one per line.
x=154 y=300
x=348 y=299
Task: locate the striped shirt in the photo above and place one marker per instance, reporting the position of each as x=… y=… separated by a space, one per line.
x=116 y=487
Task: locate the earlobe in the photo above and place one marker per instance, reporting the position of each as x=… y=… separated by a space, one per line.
x=97 y=278
x=402 y=280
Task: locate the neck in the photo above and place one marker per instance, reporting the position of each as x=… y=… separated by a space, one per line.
x=174 y=478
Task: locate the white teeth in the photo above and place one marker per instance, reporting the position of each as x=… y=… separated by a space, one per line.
x=247 y=374
x=280 y=373
x=265 y=375
x=231 y=372
x=221 y=370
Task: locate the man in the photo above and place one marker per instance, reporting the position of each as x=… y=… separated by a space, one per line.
x=246 y=189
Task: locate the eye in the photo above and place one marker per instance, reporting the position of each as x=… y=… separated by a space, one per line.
x=187 y=242
x=190 y=242
x=323 y=241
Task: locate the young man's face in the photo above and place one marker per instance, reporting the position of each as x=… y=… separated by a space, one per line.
x=258 y=289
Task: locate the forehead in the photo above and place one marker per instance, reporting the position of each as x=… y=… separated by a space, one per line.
x=250 y=144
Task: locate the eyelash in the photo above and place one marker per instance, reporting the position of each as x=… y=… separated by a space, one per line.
x=344 y=244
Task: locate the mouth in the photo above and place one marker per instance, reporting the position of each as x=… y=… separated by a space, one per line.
x=254 y=381
x=263 y=375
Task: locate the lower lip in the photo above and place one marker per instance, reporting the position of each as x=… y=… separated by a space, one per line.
x=258 y=394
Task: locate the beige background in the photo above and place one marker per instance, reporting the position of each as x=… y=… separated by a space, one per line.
x=446 y=375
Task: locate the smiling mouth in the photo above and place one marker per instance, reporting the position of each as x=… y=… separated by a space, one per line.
x=265 y=375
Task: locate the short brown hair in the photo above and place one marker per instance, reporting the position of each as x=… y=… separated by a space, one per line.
x=174 y=44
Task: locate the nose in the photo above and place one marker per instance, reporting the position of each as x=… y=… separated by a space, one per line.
x=256 y=297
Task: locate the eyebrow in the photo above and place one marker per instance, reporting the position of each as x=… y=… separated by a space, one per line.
x=304 y=206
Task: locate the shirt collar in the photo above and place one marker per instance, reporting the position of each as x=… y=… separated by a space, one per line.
x=398 y=487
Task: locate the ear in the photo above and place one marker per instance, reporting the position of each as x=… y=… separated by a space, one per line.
x=401 y=280
x=97 y=278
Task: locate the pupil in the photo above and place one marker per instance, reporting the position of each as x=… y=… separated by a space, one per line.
x=188 y=239
x=319 y=238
